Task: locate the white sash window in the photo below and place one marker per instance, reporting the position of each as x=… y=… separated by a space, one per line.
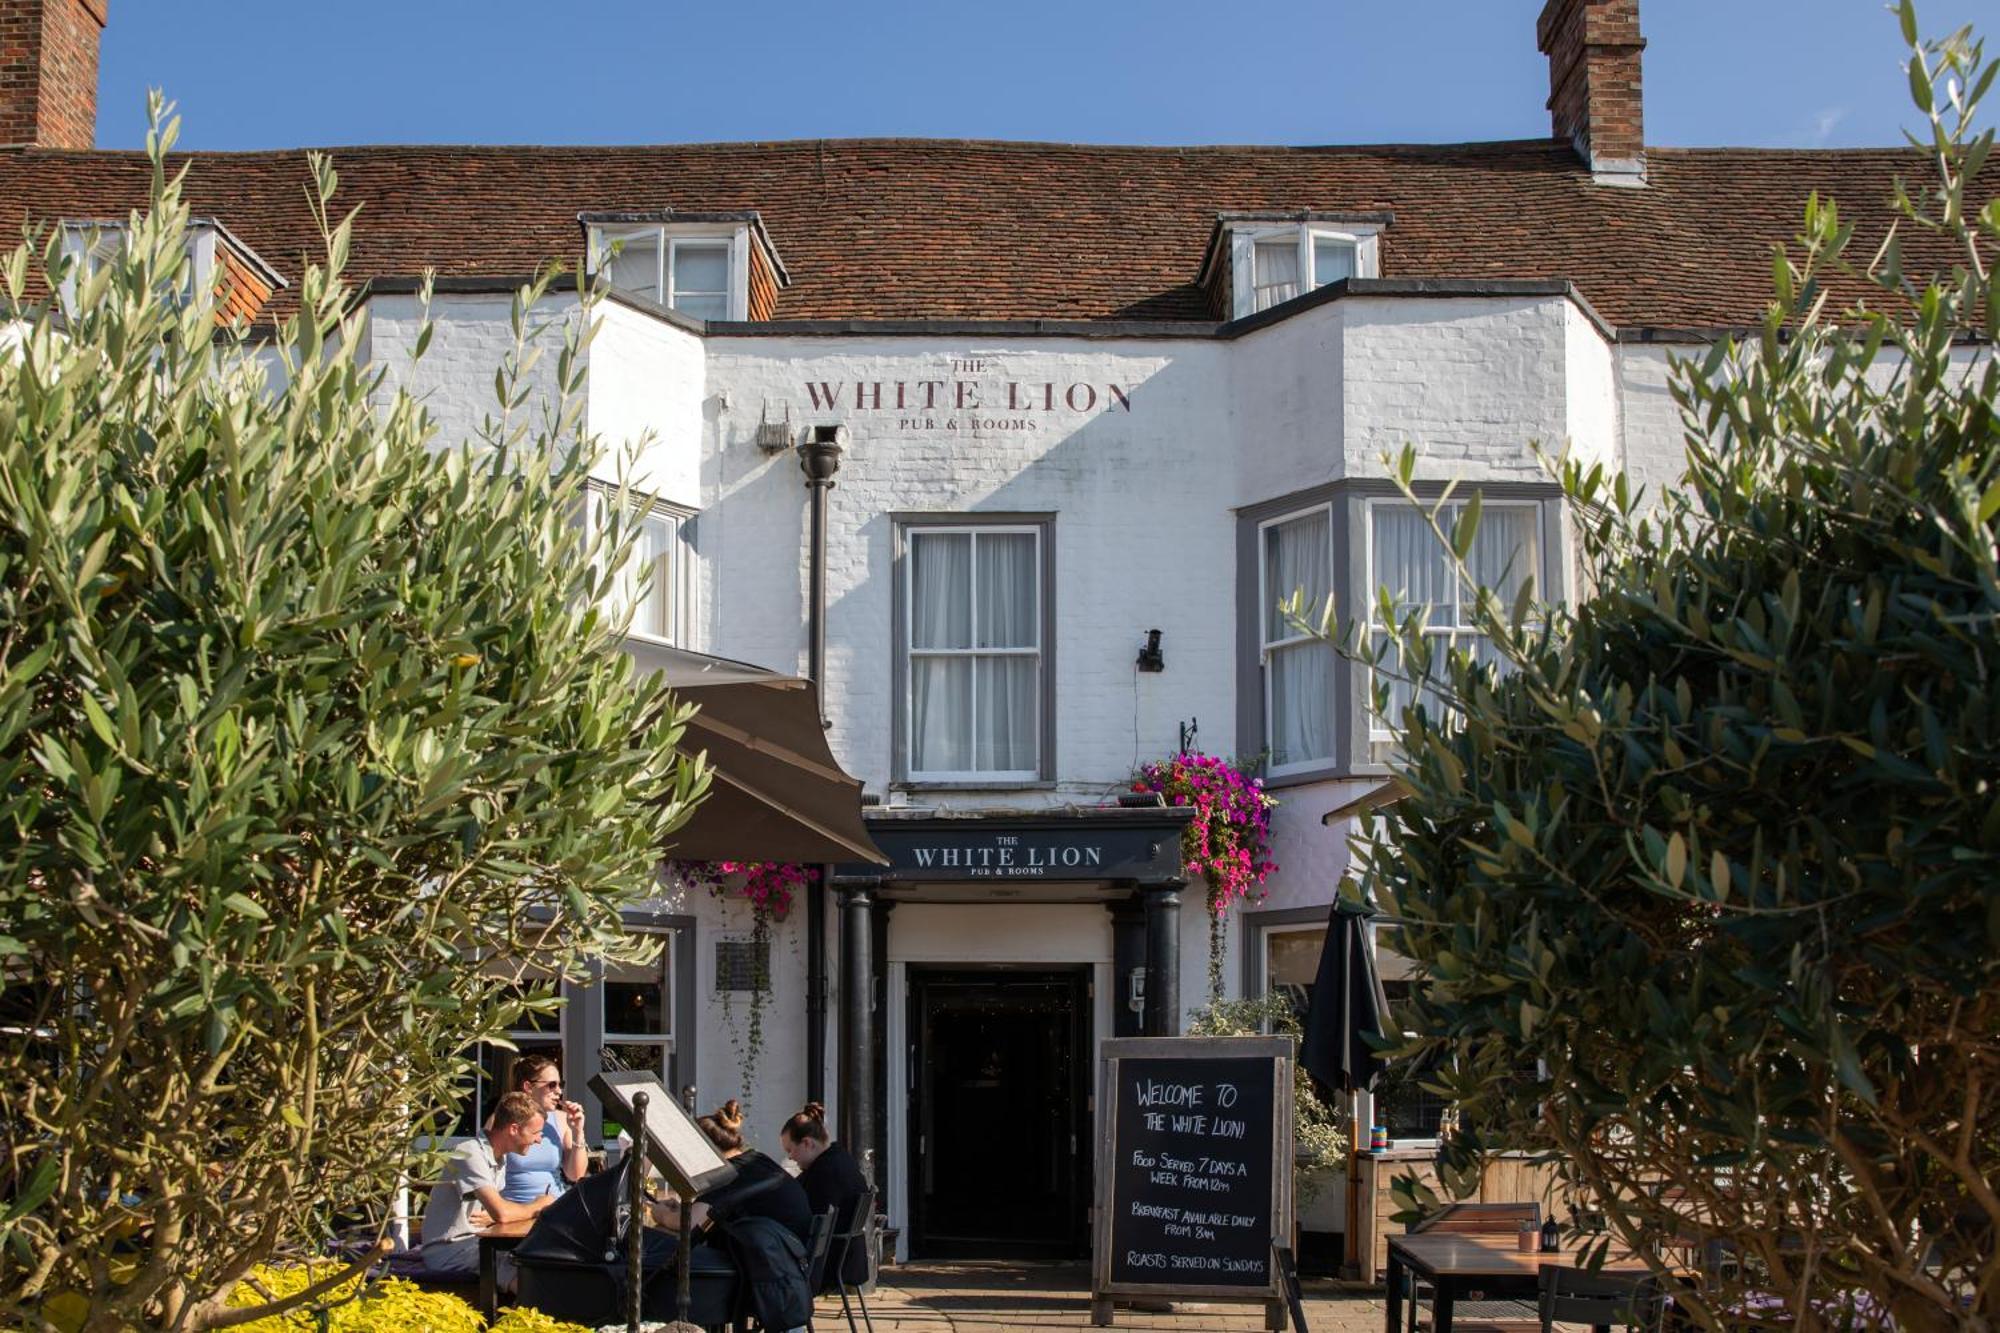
x=974 y=656
x=1296 y=558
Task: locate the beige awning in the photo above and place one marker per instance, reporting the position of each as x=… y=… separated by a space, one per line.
x=776 y=792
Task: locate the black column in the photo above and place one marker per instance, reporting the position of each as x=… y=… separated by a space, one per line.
x=1163 y=960
x=857 y=1023
x=1128 y=956
x=879 y=1052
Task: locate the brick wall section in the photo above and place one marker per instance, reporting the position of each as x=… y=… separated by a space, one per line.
x=48 y=71
x=763 y=285
x=1595 y=95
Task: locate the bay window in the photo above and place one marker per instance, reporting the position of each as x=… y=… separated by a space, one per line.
x=1406 y=558
x=1296 y=559
x=973 y=657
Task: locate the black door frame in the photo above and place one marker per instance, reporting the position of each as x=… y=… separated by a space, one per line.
x=1080 y=978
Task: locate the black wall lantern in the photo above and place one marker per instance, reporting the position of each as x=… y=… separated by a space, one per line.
x=1150 y=657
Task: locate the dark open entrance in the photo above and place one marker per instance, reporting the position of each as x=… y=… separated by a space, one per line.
x=999 y=1112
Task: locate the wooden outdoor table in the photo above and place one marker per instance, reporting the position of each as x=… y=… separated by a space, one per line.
x=493 y=1239
x=1458 y=1265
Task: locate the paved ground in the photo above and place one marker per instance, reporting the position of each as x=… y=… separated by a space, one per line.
x=933 y=1297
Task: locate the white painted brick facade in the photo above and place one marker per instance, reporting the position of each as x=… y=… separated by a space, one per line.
x=1145 y=529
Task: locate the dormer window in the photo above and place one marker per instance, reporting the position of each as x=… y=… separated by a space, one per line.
x=1261 y=260
x=712 y=266
x=217 y=261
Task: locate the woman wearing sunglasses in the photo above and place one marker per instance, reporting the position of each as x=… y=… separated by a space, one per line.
x=560 y=1156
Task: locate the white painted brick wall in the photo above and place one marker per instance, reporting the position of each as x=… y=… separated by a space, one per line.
x=1145 y=533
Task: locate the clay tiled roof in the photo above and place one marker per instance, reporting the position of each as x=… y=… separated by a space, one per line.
x=903 y=229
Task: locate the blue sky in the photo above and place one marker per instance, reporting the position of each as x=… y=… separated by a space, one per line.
x=1809 y=73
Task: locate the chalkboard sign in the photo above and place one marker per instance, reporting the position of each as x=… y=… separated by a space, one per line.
x=1196 y=1182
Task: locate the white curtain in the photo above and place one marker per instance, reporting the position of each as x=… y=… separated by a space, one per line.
x=1413 y=565
x=1277 y=264
x=1005 y=721
x=940 y=617
x=1297 y=556
x=1503 y=553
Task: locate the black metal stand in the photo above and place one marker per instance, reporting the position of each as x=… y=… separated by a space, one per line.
x=635 y=1225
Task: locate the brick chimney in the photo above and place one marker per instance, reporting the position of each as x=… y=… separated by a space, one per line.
x=1593 y=48
x=48 y=72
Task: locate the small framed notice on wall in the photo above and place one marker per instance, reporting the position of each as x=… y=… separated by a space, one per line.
x=1195 y=1177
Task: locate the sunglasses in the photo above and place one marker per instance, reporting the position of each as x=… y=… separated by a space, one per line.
x=547 y=1083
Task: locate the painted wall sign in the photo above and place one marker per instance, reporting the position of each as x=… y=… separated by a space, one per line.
x=1196 y=1189
x=972 y=394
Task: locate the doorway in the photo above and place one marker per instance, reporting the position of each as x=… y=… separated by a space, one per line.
x=999 y=1127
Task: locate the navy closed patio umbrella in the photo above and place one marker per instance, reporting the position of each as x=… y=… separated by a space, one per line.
x=1347 y=1007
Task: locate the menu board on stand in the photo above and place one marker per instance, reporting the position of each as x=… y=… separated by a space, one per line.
x=1194 y=1186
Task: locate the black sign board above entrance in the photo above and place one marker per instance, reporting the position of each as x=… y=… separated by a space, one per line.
x=1195 y=1181
x=1142 y=846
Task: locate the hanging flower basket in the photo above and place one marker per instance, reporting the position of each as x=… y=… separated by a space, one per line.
x=770 y=887
x=1227 y=843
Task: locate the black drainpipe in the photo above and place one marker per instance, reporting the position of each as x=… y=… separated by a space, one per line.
x=819 y=458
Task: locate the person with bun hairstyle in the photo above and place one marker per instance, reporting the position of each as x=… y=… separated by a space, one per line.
x=761 y=1188
x=831 y=1178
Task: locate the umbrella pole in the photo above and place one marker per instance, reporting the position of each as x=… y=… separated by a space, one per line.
x=1354 y=1240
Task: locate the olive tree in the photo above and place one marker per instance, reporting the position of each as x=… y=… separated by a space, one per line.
x=1704 y=880
x=314 y=742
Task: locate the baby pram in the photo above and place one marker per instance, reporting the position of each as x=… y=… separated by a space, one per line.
x=572 y=1263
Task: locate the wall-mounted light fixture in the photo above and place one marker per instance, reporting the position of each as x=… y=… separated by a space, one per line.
x=1150 y=657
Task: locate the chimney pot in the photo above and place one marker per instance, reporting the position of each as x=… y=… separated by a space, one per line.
x=48 y=74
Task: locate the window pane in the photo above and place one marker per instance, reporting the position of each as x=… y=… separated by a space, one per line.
x=1301 y=702
x=638 y=1057
x=1006 y=569
x=941 y=590
x=1295 y=559
x=1411 y=563
x=1291 y=961
x=700 y=269
x=1332 y=260
x=1277 y=264
x=941 y=714
x=702 y=307
x=1006 y=730
x=631 y=263
x=638 y=999
x=653 y=576
x=1503 y=554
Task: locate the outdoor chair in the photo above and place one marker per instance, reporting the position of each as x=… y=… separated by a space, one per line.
x=1480 y=1219
x=819 y=1243
x=860 y=1231
x=1579 y=1296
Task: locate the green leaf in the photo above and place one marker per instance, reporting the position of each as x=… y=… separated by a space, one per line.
x=244 y=906
x=1677 y=860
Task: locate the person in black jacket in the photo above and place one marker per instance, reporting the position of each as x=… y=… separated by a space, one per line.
x=761 y=1187
x=831 y=1178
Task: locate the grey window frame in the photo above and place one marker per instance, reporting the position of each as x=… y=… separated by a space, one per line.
x=1353 y=747
x=1045 y=759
